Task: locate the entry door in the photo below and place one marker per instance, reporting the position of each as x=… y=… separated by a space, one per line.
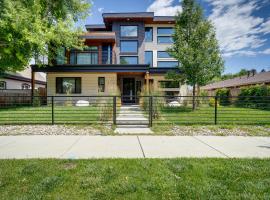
x=128 y=90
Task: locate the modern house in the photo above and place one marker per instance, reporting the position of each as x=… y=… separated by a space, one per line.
x=126 y=55
x=235 y=84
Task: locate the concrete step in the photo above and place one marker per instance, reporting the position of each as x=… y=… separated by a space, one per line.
x=132 y=126
x=129 y=122
x=133 y=131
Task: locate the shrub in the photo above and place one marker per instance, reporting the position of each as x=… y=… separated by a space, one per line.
x=224 y=96
x=105 y=106
x=212 y=102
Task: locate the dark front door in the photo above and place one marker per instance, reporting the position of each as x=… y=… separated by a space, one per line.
x=128 y=90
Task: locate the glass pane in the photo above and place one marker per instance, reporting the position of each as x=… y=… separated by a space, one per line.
x=128 y=60
x=165 y=31
x=2 y=85
x=129 y=31
x=61 y=58
x=68 y=85
x=129 y=46
x=72 y=58
x=94 y=58
x=163 y=54
x=165 y=39
x=83 y=58
x=167 y=64
x=148 y=59
x=92 y=48
x=148 y=34
x=169 y=84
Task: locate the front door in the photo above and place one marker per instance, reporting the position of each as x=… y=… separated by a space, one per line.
x=128 y=91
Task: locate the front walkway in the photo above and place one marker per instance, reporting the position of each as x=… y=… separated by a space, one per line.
x=75 y=147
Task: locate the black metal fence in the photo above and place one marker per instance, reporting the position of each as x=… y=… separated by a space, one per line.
x=149 y=110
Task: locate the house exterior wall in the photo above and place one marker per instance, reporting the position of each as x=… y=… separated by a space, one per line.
x=17 y=85
x=89 y=83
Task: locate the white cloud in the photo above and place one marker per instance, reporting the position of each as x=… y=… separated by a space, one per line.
x=238 y=31
x=100 y=10
x=164 y=8
x=266 y=51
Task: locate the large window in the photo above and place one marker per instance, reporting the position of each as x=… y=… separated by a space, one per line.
x=25 y=86
x=101 y=84
x=165 y=35
x=169 y=84
x=129 y=46
x=68 y=85
x=167 y=64
x=3 y=85
x=148 y=58
x=129 y=31
x=148 y=34
x=129 y=60
x=163 y=54
x=86 y=57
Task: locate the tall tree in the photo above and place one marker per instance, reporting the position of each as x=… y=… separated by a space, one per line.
x=196 y=47
x=28 y=28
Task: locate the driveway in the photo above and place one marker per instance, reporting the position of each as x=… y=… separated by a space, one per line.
x=76 y=147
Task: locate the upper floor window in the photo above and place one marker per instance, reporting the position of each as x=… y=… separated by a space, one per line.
x=25 y=86
x=148 y=58
x=3 y=85
x=164 y=35
x=133 y=60
x=128 y=46
x=167 y=64
x=129 y=31
x=163 y=54
x=61 y=56
x=148 y=34
x=88 y=56
x=68 y=85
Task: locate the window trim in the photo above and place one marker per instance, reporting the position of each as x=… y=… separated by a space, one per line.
x=99 y=84
x=62 y=90
x=137 y=57
x=152 y=34
x=122 y=36
x=24 y=84
x=152 y=58
x=164 y=57
x=164 y=35
x=168 y=81
x=5 y=85
x=167 y=61
x=129 y=52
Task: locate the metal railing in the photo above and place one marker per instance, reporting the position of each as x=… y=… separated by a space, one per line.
x=137 y=110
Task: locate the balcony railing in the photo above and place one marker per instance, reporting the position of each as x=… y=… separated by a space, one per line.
x=92 y=57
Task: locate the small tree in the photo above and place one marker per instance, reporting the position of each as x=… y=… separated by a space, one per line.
x=196 y=47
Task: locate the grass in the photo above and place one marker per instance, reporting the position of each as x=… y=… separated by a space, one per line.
x=206 y=115
x=135 y=179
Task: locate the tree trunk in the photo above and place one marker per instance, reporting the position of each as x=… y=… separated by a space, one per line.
x=198 y=98
x=193 y=97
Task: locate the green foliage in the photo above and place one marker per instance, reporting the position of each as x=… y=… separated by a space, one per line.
x=212 y=102
x=36 y=99
x=195 y=45
x=105 y=106
x=254 y=97
x=30 y=29
x=223 y=96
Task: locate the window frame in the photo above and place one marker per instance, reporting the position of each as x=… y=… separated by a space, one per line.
x=151 y=65
x=163 y=61
x=152 y=36
x=164 y=35
x=61 y=89
x=25 y=84
x=135 y=56
x=124 y=36
x=129 y=52
x=101 y=84
x=162 y=83
x=5 y=85
x=163 y=57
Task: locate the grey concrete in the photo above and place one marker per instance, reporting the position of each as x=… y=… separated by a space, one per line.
x=75 y=147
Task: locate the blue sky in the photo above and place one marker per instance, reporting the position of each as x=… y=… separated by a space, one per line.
x=242 y=26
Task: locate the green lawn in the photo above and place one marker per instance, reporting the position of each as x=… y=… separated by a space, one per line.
x=62 y=114
x=206 y=115
x=135 y=179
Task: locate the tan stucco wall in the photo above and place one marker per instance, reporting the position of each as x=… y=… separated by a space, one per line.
x=89 y=83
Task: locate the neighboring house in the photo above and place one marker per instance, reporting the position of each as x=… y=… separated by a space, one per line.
x=21 y=80
x=235 y=84
x=126 y=55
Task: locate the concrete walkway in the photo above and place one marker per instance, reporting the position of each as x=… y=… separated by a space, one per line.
x=75 y=147
x=132 y=121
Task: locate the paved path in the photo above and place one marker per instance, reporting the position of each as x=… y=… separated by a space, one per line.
x=132 y=121
x=74 y=147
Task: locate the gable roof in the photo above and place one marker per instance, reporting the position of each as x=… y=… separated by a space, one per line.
x=263 y=77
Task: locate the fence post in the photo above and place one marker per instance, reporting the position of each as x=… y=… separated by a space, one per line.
x=114 y=110
x=216 y=101
x=150 y=111
x=52 y=100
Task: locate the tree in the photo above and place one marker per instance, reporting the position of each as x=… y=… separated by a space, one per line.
x=196 y=47
x=30 y=28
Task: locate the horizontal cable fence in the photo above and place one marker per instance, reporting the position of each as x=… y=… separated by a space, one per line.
x=150 y=110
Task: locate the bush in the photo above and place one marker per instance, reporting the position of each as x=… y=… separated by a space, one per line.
x=254 y=97
x=224 y=96
x=212 y=102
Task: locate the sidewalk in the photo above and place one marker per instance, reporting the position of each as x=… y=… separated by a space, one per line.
x=75 y=147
